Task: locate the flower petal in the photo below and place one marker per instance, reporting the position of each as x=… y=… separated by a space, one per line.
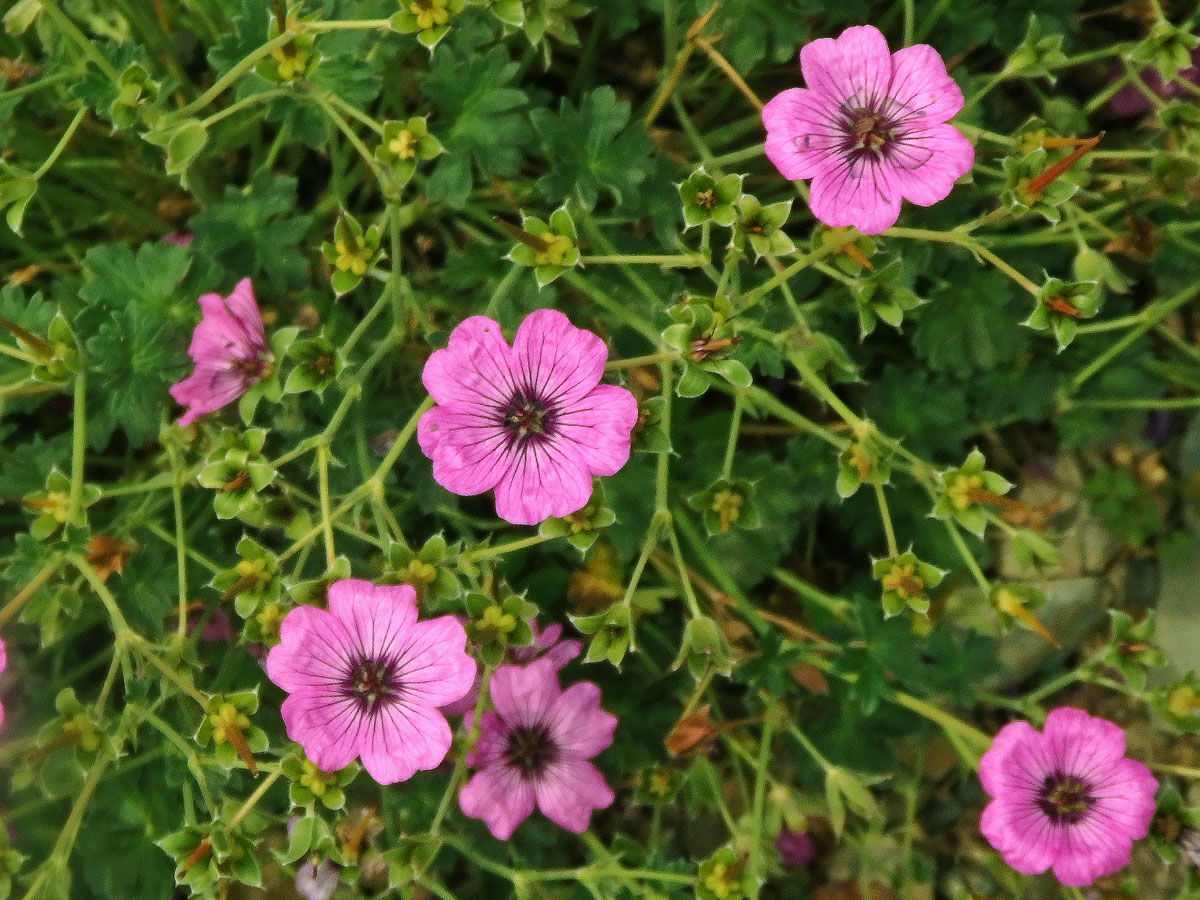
x=580 y=726
x=1022 y=834
x=311 y=653
x=207 y=389
x=855 y=68
x=523 y=695
x=569 y=791
x=433 y=664
x=543 y=480
x=802 y=134
x=377 y=618
x=475 y=368
x=598 y=427
x=498 y=796
x=1003 y=760
x=921 y=94
x=927 y=163
x=327 y=728
x=400 y=739
x=555 y=361
x=861 y=192
x=470 y=451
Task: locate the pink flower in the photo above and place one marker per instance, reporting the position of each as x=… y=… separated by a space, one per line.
x=366 y=679
x=534 y=748
x=795 y=848
x=531 y=421
x=546 y=644
x=1065 y=798
x=869 y=129
x=230 y=352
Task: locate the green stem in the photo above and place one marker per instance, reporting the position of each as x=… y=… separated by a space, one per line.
x=888 y=531
x=238 y=70
x=80 y=40
x=78 y=451
x=323 y=491
x=735 y=426
x=180 y=539
x=667 y=260
x=760 y=796
x=968 y=243
x=749 y=298
x=500 y=549
x=647 y=360
x=61 y=145
x=968 y=558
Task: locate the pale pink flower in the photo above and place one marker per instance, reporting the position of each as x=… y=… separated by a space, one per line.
x=869 y=129
x=533 y=749
x=366 y=680
x=531 y=421
x=230 y=350
x=546 y=644
x=1065 y=798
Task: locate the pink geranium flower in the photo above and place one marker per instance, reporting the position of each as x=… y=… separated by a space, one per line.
x=546 y=645
x=531 y=421
x=534 y=749
x=869 y=129
x=1065 y=798
x=230 y=352
x=366 y=680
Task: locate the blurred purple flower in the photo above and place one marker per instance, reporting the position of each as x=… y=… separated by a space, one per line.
x=795 y=848
x=1129 y=101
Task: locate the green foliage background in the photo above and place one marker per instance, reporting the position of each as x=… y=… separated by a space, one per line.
x=123 y=120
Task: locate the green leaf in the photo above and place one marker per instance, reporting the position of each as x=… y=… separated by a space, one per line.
x=256 y=230
x=972 y=330
x=479 y=120
x=591 y=150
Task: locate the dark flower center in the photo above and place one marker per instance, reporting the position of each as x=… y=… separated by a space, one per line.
x=253 y=369
x=528 y=417
x=869 y=129
x=370 y=682
x=530 y=750
x=1065 y=798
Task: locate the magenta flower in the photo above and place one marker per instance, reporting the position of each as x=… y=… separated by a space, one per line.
x=366 y=680
x=179 y=238
x=1065 y=798
x=531 y=421
x=869 y=129
x=534 y=749
x=230 y=352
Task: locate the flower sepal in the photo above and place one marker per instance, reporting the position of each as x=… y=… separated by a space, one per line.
x=496 y=625
x=238 y=472
x=1062 y=305
x=253 y=581
x=429 y=20
x=905 y=580
x=352 y=253
x=703 y=648
x=550 y=248
x=226 y=725
x=762 y=227
x=965 y=489
x=611 y=632
x=404 y=144
x=308 y=784
x=725 y=503
x=581 y=528
x=709 y=199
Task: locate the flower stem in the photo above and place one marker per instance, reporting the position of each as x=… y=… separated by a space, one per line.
x=23 y=596
x=62 y=144
x=885 y=517
x=323 y=488
x=78 y=451
x=648 y=359
x=238 y=70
